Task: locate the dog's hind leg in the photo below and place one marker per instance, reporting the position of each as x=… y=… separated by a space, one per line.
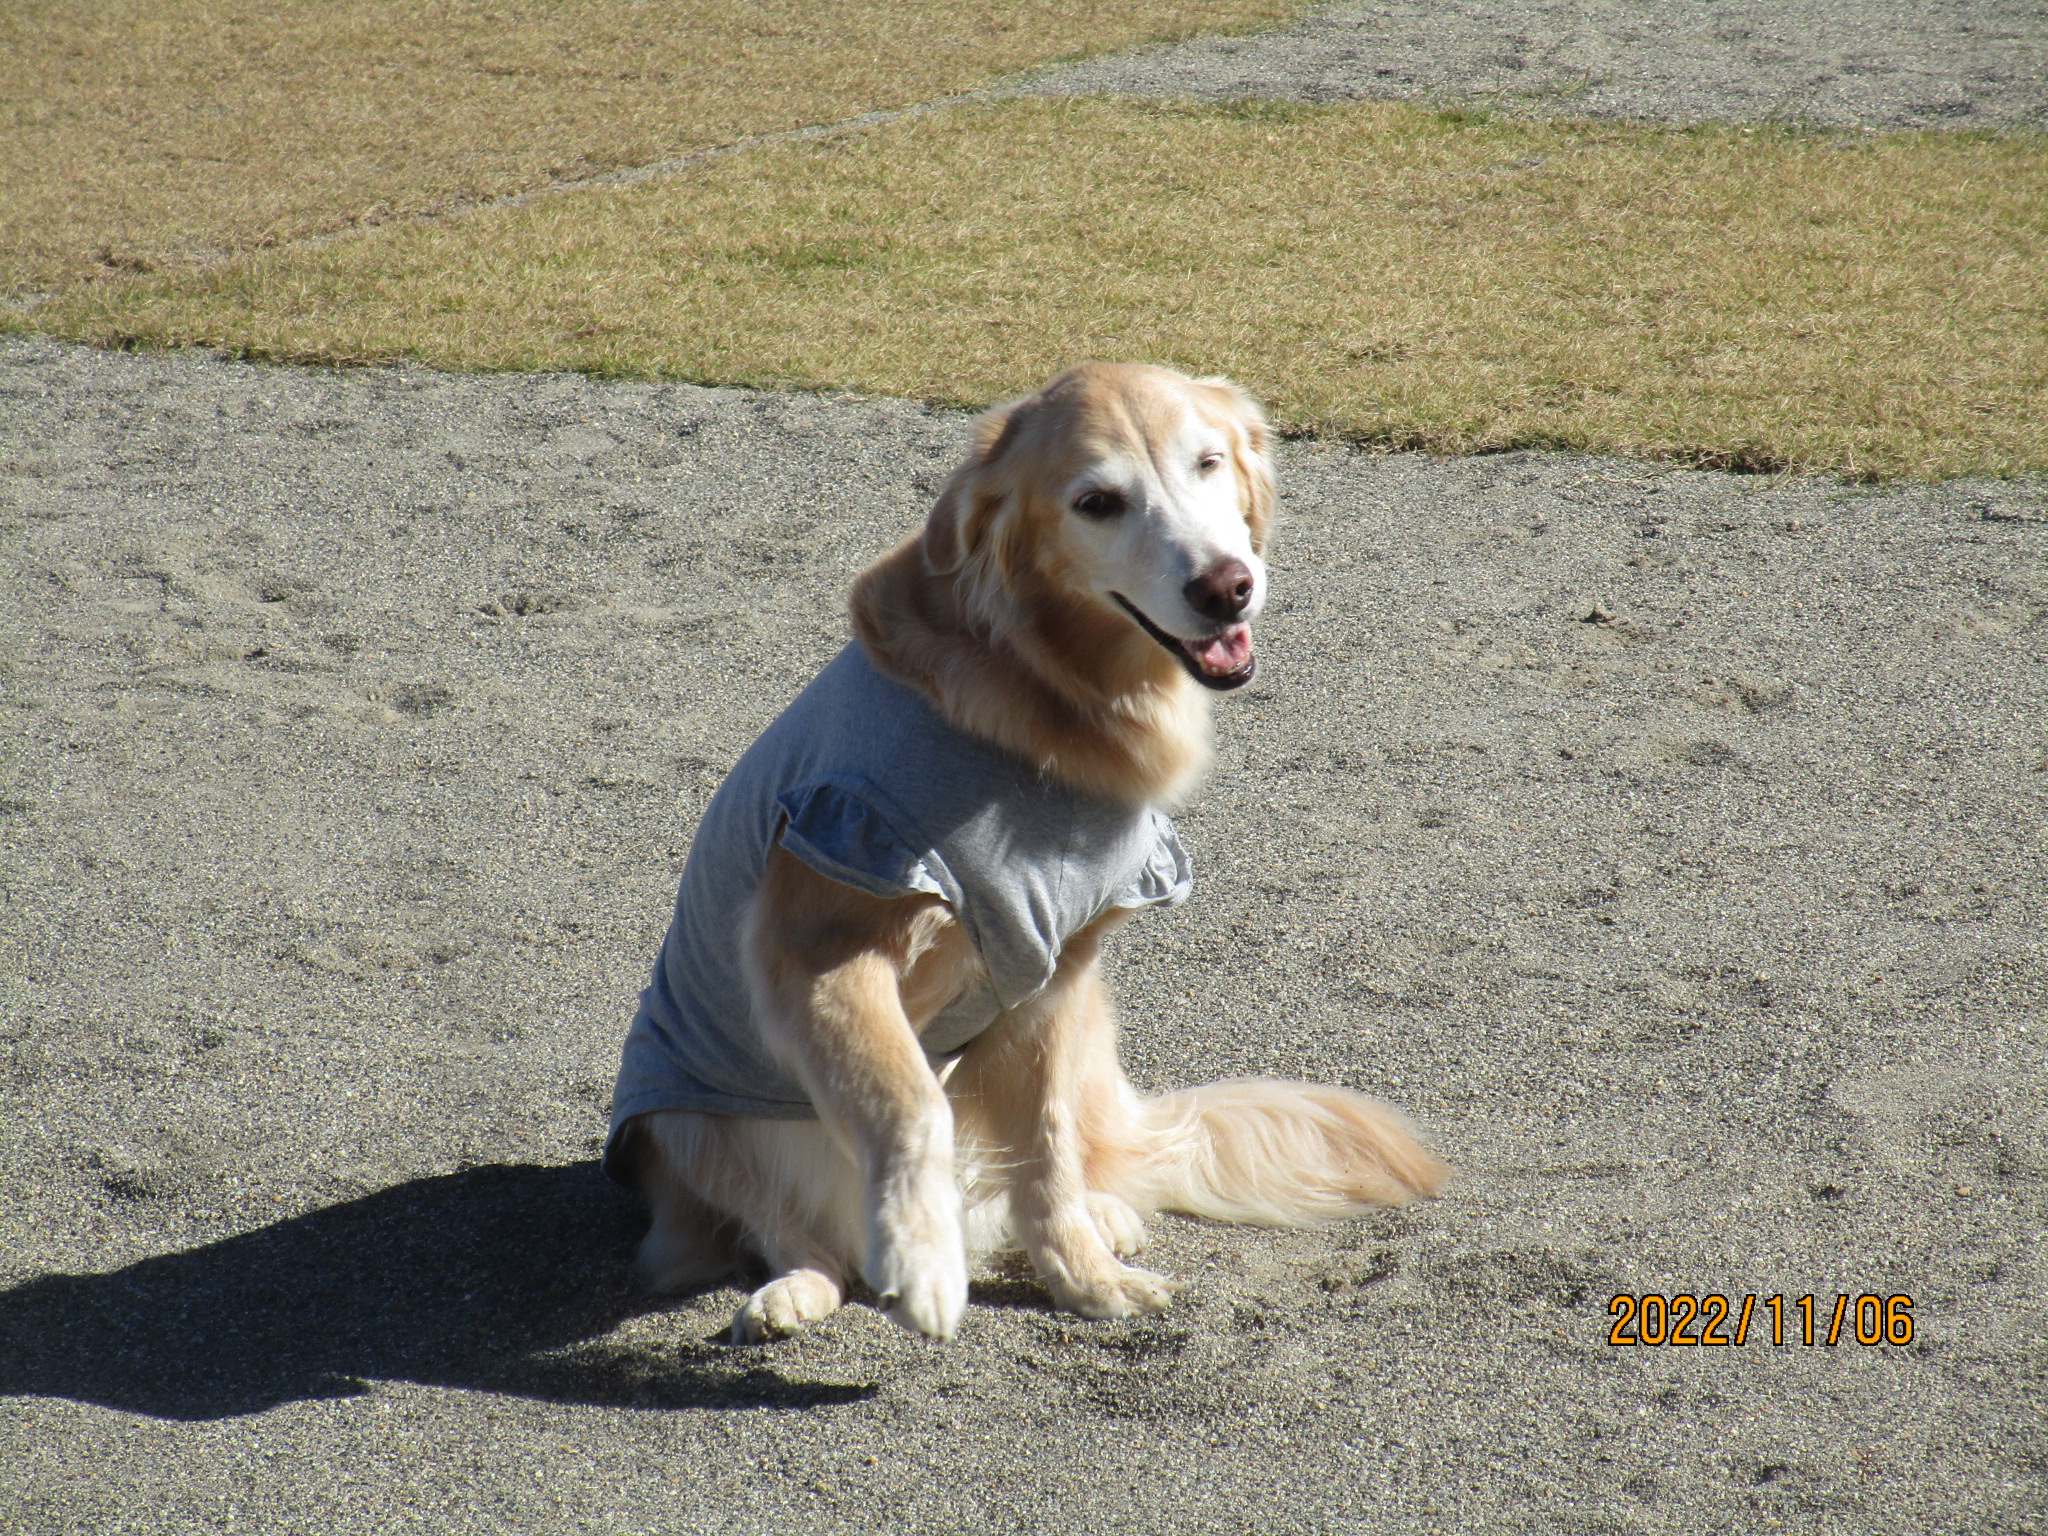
x=1118 y=1221
x=777 y=1187
x=802 y=1294
x=802 y=1189
x=689 y=1243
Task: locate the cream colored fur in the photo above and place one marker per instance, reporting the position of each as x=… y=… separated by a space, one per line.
x=1003 y=611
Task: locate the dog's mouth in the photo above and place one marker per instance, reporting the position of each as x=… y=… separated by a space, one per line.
x=1221 y=661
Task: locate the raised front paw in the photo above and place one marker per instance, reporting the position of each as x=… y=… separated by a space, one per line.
x=929 y=1303
x=924 y=1292
x=917 y=1261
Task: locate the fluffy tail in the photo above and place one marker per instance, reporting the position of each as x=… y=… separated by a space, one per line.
x=1269 y=1153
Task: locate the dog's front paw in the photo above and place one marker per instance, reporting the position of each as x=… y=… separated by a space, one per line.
x=1124 y=1292
x=923 y=1286
x=786 y=1305
x=930 y=1301
x=917 y=1263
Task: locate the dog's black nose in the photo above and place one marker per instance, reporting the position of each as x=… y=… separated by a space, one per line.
x=1222 y=592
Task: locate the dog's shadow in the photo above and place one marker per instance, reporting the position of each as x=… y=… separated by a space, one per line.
x=503 y=1278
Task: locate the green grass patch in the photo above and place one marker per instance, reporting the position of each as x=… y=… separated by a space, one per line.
x=1755 y=298
x=152 y=134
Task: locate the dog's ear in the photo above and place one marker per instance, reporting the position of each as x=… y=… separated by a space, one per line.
x=960 y=519
x=1251 y=457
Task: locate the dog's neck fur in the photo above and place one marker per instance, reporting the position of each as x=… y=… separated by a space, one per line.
x=1077 y=690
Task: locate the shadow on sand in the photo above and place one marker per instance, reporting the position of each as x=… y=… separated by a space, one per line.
x=499 y=1279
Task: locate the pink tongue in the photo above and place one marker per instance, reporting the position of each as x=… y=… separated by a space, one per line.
x=1224 y=653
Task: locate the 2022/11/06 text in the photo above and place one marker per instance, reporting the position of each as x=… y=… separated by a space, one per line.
x=1651 y=1320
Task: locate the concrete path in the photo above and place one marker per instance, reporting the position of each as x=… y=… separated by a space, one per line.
x=1668 y=843
x=1829 y=63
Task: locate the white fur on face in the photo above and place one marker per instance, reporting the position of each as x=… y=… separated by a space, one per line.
x=1175 y=516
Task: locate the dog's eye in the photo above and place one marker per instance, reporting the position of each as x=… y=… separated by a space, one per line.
x=1209 y=463
x=1099 y=503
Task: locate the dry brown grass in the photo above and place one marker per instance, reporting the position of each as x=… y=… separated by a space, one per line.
x=136 y=135
x=1870 y=304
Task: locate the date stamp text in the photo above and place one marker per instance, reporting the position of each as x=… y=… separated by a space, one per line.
x=1651 y=1320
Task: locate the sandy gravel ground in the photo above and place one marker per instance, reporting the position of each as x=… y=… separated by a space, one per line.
x=1668 y=843
x=1831 y=63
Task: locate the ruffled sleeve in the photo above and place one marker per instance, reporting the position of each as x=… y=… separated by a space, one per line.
x=840 y=833
x=1166 y=876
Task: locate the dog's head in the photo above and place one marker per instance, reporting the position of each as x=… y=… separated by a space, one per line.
x=1116 y=502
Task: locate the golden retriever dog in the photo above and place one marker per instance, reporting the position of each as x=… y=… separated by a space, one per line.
x=876 y=1037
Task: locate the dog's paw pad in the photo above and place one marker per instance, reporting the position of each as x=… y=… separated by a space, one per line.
x=1118 y=1222
x=785 y=1306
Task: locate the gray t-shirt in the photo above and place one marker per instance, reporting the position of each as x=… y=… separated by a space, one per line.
x=864 y=781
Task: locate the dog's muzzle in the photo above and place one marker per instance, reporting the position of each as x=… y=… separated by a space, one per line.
x=1222 y=661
